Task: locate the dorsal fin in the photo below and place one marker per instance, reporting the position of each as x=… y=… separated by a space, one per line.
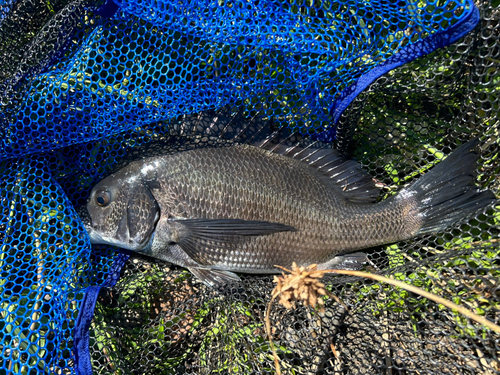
x=355 y=184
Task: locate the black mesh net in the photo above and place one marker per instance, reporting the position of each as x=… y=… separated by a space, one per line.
x=88 y=87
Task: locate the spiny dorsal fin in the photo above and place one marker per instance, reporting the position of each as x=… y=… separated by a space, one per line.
x=356 y=184
x=239 y=128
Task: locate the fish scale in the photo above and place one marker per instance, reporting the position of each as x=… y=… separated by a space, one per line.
x=246 y=209
x=287 y=206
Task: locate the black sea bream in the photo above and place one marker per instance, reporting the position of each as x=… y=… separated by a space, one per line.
x=245 y=209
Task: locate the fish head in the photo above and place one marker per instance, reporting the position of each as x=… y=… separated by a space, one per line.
x=121 y=211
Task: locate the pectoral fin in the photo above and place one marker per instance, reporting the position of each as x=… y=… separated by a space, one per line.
x=217 y=228
x=197 y=235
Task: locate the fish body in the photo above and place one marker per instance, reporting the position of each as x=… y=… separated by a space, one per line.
x=245 y=209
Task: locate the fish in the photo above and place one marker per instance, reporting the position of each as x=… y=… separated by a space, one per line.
x=247 y=208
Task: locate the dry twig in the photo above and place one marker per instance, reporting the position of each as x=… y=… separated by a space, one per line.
x=302 y=284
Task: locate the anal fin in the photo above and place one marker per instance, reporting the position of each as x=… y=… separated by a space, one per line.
x=353 y=261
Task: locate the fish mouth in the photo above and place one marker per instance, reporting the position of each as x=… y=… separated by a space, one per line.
x=85 y=218
x=95 y=237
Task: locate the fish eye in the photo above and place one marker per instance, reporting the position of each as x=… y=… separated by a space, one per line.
x=103 y=198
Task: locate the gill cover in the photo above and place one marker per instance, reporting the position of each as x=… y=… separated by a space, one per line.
x=142 y=214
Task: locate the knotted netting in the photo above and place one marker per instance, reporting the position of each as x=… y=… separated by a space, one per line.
x=88 y=86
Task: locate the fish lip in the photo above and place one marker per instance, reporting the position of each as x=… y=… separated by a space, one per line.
x=85 y=217
x=94 y=236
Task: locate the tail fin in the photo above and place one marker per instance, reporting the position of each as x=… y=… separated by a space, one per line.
x=447 y=193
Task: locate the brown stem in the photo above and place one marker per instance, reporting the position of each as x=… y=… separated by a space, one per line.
x=268 y=331
x=423 y=293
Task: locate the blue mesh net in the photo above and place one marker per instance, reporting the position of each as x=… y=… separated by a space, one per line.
x=84 y=85
x=306 y=61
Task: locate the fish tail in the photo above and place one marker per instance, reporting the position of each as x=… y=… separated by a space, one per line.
x=447 y=193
